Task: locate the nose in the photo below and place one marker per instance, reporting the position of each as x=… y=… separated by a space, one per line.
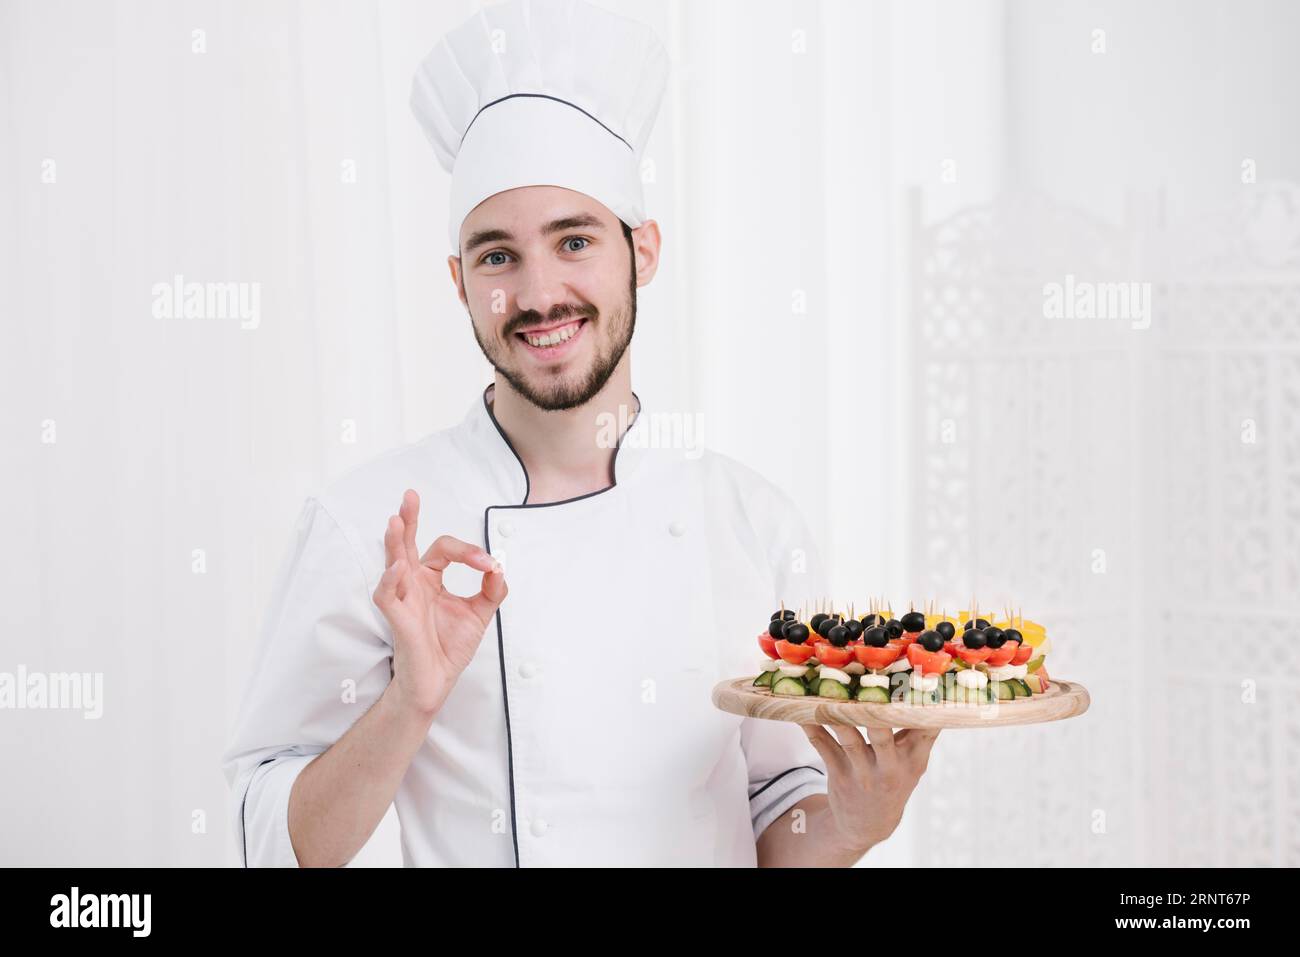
x=540 y=288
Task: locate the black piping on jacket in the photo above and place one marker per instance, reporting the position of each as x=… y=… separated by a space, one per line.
x=802 y=767
x=487 y=544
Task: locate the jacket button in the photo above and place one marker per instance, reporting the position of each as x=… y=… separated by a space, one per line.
x=676 y=529
x=505 y=529
x=527 y=670
x=538 y=827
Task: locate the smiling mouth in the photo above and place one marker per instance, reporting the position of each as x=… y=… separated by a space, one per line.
x=552 y=337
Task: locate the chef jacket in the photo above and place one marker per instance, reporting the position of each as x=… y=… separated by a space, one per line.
x=582 y=732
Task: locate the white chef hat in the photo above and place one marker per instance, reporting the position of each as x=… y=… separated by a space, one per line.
x=542 y=92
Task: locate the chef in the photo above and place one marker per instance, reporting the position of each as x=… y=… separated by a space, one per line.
x=510 y=629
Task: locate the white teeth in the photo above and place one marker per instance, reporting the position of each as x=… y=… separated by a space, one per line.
x=551 y=338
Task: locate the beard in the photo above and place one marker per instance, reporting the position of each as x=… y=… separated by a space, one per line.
x=613 y=334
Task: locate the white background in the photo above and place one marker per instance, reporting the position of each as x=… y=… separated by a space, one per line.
x=799 y=158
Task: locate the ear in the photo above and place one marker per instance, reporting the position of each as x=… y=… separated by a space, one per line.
x=453 y=266
x=645 y=250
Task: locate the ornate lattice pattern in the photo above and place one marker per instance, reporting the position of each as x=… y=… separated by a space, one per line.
x=1139 y=490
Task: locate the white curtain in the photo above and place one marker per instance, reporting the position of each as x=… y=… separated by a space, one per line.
x=810 y=159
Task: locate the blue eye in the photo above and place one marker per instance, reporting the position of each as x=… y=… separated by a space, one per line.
x=490 y=255
x=579 y=239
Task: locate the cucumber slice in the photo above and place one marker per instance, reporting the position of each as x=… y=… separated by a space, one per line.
x=950 y=689
x=814 y=686
x=874 y=694
x=924 y=698
x=826 y=688
x=787 y=685
x=1001 y=690
x=1019 y=688
x=764 y=680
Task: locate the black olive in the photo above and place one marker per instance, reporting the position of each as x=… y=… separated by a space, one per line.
x=787 y=616
x=930 y=641
x=1012 y=635
x=973 y=639
x=855 y=629
x=913 y=621
x=946 y=629
x=796 y=632
x=869 y=621
x=894 y=627
x=979 y=623
x=815 y=621
x=995 y=637
x=824 y=626
x=838 y=636
x=774 y=629
x=875 y=637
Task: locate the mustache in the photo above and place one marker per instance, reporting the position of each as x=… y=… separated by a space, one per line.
x=534 y=320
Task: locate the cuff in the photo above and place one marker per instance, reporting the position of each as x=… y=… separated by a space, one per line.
x=265 y=814
x=779 y=794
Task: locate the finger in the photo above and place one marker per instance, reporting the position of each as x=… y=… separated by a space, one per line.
x=391 y=591
x=490 y=595
x=386 y=591
x=918 y=744
x=393 y=541
x=403 y=579
x=911 y=737
x=882 y=743
x=855 y=746
x=410 y=513
x=832 y=754
x=446 y=549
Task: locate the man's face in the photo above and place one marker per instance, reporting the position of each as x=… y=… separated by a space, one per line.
x=549 y=280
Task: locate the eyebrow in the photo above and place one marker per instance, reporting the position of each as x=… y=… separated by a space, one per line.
x=484 y=236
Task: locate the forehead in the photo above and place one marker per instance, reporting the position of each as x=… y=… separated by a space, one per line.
x=532 y=212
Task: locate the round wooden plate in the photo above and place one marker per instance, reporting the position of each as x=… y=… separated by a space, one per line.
x=1064 y=699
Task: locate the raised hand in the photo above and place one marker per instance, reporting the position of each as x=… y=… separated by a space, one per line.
x=435 y=633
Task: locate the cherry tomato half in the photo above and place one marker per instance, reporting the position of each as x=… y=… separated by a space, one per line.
x=929 y=662
x=794 y=654
x=972 y=656
x=1001 y=656
x=828 y=654
x=877 y=657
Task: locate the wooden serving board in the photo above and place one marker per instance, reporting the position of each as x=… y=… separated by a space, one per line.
x=1064 y=699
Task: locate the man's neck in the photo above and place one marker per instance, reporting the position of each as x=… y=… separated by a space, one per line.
x=567 y=453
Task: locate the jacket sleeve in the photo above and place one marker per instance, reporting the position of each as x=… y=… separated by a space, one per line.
x=324 y=657
x=784 y=767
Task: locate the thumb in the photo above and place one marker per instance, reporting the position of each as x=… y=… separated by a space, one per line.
x=491 y=594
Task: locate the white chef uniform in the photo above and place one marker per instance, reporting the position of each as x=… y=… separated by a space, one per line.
x=582 y=732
